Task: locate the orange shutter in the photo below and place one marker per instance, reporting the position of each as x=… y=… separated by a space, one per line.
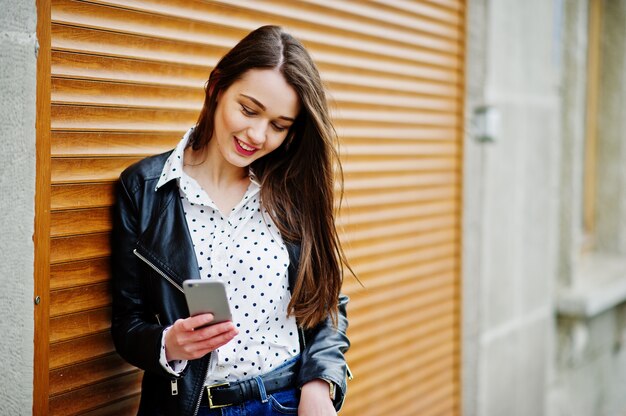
x=127 y=80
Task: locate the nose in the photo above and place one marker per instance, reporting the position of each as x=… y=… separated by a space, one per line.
x=256 y=132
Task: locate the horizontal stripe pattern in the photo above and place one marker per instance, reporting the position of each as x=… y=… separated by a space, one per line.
x=128 y=79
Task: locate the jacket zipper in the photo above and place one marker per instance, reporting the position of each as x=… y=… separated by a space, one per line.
x=350 y=375
x=195 y=413
x=174 y=381
x=156 y=269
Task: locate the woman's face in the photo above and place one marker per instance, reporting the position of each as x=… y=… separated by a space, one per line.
x=253 y=116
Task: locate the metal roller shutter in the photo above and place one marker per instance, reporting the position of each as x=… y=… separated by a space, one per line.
x=127 y=80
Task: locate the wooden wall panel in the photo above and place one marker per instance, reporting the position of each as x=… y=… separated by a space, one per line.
x=126 y=79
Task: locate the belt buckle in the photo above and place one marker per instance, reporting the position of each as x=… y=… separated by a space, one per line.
x=208 y=391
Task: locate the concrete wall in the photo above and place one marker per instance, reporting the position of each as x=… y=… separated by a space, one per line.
x=523 y=228
x=510 y=212
x=18 y=74
x=611 y=185
x=573 y=121
x=590 y=377
x=476 y=60
x=590 y=352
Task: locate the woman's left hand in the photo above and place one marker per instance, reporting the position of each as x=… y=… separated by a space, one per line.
x=315 y=399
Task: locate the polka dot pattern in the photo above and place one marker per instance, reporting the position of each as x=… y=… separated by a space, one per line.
x=244 y=249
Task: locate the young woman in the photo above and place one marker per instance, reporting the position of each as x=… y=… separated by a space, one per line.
x=246 y=198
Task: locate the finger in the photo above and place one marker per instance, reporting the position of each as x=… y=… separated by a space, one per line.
x=217 y=341
x=199 y=349
x=177 y=333
x=196 y=321
x=188 y=342
x=212 y=331
x=182 y=332
x=214 y=343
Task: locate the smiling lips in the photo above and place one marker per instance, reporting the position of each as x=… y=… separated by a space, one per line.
x=243 y=148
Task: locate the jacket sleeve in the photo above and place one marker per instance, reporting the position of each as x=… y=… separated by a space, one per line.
x=323 y=354
x=136 y=335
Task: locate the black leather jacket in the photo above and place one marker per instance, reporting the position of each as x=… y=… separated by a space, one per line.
x=152 y=253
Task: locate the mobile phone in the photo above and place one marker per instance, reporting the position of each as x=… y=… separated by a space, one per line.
x=207 y=296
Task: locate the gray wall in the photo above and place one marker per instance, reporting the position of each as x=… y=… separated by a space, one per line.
x=510 y=208
x=544 y=320
x=611 y=184
x=18 y=74
x=590 y=354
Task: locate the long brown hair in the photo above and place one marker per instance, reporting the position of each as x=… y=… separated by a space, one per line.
x=297 y=178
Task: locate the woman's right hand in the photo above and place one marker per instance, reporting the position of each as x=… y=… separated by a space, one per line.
x=183 y=342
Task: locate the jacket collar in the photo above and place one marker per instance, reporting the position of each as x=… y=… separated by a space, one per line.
x=166 y=242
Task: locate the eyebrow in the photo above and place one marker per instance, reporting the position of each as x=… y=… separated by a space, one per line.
x=257 y=102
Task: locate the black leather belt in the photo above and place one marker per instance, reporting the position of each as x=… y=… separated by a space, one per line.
x=228 y=394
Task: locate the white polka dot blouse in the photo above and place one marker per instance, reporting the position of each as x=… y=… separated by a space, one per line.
x=244 y=249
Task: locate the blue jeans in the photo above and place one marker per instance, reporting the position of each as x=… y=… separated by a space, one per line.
x=284 y=402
